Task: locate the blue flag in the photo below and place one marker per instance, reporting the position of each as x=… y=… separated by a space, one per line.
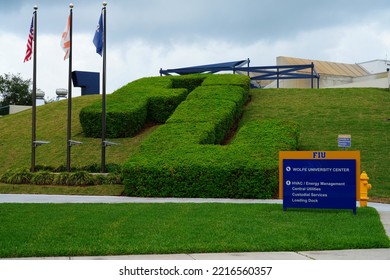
x=99 y=38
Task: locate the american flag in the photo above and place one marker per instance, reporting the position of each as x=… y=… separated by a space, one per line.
x=30 y=41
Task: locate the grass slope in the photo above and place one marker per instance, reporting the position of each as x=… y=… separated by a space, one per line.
x=118 y=229
x=15 y=140
x=321 y=113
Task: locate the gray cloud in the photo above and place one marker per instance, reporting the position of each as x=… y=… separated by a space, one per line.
x=240 y=21
x=158 y=21
x=144 y=35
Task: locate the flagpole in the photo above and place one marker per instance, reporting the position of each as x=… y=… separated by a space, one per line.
x=34 y=92
x=69 y=129
x=103 y=161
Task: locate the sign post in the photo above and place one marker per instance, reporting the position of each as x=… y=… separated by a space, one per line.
x=319 y=179
x=344 y=141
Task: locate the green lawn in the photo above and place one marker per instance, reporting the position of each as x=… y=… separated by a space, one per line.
x=117 y=229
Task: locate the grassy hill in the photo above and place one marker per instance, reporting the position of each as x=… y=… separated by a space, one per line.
x=321 y=113
x=15 y=140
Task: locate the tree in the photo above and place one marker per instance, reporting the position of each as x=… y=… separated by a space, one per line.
x=15 y=90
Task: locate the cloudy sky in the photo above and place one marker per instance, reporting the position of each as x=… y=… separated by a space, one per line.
x=146 y=35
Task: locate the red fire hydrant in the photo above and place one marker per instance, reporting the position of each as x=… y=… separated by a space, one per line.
x=364 y=187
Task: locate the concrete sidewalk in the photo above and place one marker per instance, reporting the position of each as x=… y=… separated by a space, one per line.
x=361 y=254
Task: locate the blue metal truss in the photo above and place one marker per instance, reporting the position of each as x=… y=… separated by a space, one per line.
x=258 y=73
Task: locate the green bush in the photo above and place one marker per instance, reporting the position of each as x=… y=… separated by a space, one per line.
x=189 y=82
x=112 y=179
x=172 y=135
x=219 y=113
x=180 y=159
x=81 y=178
x=147 y=82
x=228 y=80
x=248 y=168
x=130 y=107
x=113 y=168
x=16 y=176
x=100 y=179
x=78 y=178
x=124 y=116
x=61 y=178
x=42 y=178
x=234 y=94
x=162 y=103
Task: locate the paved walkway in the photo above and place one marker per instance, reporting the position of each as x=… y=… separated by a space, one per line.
x=366 y=254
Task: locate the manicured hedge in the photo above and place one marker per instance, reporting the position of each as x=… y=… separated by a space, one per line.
x=123 y=118
x=170 y=136
x=151 y=99
x=219 y=113
x=243 y=169
x=183 y=158
x=232 y=93
x=180 y=159
x=228 y=80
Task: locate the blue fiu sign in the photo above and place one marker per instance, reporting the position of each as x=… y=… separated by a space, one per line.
x=311 y=179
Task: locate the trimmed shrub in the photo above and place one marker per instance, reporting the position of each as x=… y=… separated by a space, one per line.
x=180 y=158
x=172 y=135
x=219 y=113
x=162 y=103
x=151 y=99
x=235 y=94
x=248 y=168
x=189 y=82
x=124 y=116
x=228 y=80
x=147 y=82
x=172 y=161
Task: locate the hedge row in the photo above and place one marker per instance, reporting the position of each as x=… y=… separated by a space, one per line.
x=247 y=168
x=180 y=159
x=128 y=112
x=133 y=105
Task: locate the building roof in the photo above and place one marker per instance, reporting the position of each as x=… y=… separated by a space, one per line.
x=326 y=67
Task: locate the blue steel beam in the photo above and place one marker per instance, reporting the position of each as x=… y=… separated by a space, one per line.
x=278 y=72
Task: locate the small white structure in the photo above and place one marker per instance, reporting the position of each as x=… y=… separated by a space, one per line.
x=62 y=93
x=40 y=97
